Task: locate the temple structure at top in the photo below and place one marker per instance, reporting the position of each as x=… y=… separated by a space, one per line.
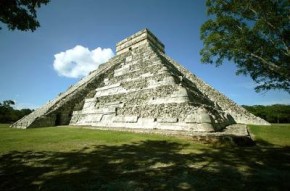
x=143 y=37
x=142 y=88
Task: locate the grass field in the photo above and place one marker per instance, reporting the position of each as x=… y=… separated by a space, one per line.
x=278 y=134
x=65 y=158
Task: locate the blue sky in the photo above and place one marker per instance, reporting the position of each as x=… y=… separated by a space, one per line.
x=28 y=75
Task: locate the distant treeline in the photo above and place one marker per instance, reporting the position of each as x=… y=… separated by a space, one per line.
x=272 y=113
x=8 y=114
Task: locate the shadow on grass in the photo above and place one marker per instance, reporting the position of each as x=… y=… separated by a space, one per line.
x=148 y=165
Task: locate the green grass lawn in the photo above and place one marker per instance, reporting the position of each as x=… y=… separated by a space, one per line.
x=276 y=134
x=65 y=158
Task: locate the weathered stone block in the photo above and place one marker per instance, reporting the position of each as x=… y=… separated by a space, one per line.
x=167 y=100
x=141 y=81
x=125 y=119
x=198 y=116
x=129 y=59
x=181 y=92
x=167 y=120
x=88 y=119
x=106 y=110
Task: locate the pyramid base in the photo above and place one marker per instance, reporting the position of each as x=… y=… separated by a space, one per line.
x=236 y=134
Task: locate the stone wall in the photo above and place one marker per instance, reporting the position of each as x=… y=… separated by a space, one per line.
x=143 y=37
x=141 y=87
x=59 y=111
x=145 y=91
x=238 y=113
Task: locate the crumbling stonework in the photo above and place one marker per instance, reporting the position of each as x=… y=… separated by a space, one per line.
x=141 y=88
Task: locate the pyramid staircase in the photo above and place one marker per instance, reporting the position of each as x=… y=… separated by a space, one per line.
x=142 y=88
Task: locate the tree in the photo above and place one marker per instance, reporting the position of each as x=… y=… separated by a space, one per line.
x=253 y=34
x=8 y=114
x=277 y=113
x=7 y=103
x=6 y=111
x=20 y=14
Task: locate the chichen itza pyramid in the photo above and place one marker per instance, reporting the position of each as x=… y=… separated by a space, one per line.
x=141 y=88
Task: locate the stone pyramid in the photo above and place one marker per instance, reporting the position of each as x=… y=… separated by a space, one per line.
x=141 y=88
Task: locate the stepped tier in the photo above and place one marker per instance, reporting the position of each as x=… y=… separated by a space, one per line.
x=141 y=87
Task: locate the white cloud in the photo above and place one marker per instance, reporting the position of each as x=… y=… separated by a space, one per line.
x=79 y=61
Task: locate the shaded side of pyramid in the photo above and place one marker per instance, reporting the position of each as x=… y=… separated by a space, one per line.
x=59 y=111
x=141 y=87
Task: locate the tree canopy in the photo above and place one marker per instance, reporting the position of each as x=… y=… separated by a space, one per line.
x=277 y=113
x=8 y=114
x=255 y=35
x=20 y=14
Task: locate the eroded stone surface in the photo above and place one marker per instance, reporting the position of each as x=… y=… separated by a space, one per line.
x=141 y=88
